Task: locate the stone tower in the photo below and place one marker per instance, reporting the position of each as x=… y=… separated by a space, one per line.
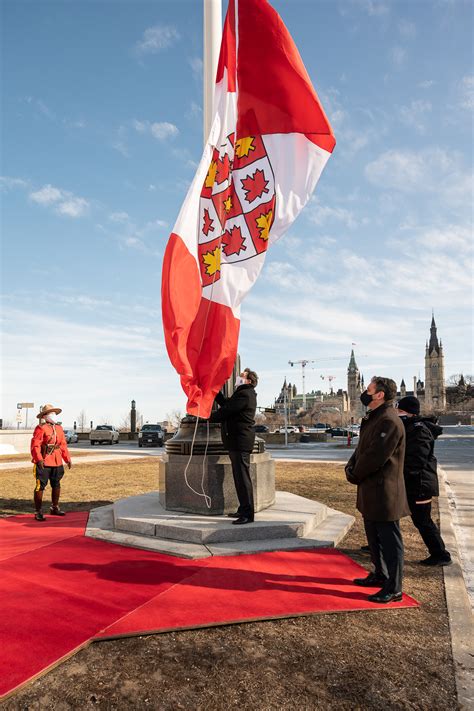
x=354 y=386
x=435 y=389
x=403 y=388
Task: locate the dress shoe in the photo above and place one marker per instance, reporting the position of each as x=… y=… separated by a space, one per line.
x=434 y=560
x=371 y=581
x=39 y=516
x=384 y=597
x=236 y=514
x=56 y=511
x=241 y=520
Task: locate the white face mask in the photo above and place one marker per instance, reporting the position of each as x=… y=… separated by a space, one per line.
x=240 y=381
x=50 y=418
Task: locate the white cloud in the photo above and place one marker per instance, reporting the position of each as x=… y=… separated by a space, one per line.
x=161 y=130
x=196 y=65
x=414 y=114
x=47 y=195
x=164 y=130
x=398 y=56
x=430 y=170
x=319 y=214
x=65 y=203
x=373 y=8
x=466 y=86
x=119 y=217
x=407 y=29
x=157 y=38
x=9 y=183
x=427 y=84
x=75 y=207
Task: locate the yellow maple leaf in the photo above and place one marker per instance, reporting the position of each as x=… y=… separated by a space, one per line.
x=212 y=260
x=265 y=222
x=228 y=204
x=243 y=146
x=211 y=174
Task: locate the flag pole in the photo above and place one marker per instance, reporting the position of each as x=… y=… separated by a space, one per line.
x=212 y=39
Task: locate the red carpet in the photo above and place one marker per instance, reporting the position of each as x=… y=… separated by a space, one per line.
x=254 y=587
x=62 y=589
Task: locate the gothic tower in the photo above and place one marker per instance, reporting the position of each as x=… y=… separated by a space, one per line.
x=354 y=386
x=403 y=388
x=435 y=389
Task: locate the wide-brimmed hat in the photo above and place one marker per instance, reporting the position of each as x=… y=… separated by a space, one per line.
x=46 y=409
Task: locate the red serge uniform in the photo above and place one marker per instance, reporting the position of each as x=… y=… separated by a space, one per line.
x=48 y=445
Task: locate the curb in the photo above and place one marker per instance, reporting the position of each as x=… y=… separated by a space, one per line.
x=461 y=622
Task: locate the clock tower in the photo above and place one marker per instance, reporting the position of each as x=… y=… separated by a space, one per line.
x=354 y=387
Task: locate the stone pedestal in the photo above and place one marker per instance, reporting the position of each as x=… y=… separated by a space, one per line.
x=209 y=472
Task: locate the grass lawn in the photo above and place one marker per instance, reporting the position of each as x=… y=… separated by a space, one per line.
x=393 y=659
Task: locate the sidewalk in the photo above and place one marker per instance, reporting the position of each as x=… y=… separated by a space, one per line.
x=461 y=621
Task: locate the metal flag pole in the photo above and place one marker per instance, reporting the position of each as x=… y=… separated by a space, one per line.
x=212 y=39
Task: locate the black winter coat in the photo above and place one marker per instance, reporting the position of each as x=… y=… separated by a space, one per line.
x=420 y=468
x=237 y=418
x=376 y=466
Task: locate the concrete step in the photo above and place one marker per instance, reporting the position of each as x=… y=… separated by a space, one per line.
x=293 y=523
x=290 y=517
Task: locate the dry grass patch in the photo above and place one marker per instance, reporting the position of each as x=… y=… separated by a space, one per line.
x=382 y=660
x=26 y=456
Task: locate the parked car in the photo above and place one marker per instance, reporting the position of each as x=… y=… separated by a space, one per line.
x=71 y=436
x=291 y=429
x=342 y=432
x=104 y=434
x=151 y=436
x=260 y=428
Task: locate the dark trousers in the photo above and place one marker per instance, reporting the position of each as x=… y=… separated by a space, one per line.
x=429 y=531
x=386 y=550
x=243 y=483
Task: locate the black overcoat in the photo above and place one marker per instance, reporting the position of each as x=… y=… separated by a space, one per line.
x=377 y=466
x=420 y=469
x=237 y=417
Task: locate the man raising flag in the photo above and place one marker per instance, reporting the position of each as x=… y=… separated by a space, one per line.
x=269 y=142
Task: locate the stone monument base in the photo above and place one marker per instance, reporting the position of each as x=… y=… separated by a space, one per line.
x=291 y=523
x=212 y=475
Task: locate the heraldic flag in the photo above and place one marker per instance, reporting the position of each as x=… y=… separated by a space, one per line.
x=269 y=142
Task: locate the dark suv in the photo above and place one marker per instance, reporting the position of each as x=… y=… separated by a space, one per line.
x=151 y=436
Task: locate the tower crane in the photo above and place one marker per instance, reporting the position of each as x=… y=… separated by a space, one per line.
x=304 y=362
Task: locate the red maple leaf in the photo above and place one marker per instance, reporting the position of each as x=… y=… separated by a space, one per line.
x=207 y=224
x=255 y=185
x=223 y=169
x=233 y=241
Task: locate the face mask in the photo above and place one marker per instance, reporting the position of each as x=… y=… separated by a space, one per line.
x=404 y=418
x=50 y=418
x=365 y=398
x=240 y=381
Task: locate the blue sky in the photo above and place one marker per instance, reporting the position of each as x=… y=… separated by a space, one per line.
x=102 y=132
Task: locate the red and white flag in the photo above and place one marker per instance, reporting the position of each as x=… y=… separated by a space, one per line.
x=269 y=142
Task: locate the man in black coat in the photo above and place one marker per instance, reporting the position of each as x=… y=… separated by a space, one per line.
x=376 y=467
x=421 y=476
x=237 y=417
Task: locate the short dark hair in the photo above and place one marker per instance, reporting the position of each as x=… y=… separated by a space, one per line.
x=387 y=386
x=252 y=376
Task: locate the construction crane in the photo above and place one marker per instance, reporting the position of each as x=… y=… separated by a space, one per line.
x=330 y=378
x=304 y=363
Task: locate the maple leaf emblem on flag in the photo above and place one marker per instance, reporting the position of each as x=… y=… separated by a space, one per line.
x=237 y=205
x=255 y=185
x=233 y=241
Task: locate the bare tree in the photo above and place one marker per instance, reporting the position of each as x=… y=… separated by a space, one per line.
x=174 y=418
x=82 y=420
x=125 y=424
x=454 y=379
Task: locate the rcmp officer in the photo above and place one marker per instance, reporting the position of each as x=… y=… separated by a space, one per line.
x=237 y=417
x=421 y=476
x=376 y=467
x=48 y=450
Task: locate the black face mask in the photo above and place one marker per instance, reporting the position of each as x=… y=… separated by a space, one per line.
x=365 y=398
